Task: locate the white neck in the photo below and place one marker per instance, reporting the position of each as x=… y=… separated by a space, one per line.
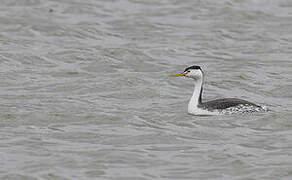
x=195 y=99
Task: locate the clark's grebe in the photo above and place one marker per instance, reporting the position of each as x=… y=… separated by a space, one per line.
x=218 y=106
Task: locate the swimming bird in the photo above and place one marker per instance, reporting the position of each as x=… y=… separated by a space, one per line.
x=219 y=106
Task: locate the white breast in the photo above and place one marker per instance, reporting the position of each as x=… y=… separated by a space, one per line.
x=199 y=111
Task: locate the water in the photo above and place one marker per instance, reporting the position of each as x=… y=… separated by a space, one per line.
x=85 y=92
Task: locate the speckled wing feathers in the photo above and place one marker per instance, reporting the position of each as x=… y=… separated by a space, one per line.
x=221 y=104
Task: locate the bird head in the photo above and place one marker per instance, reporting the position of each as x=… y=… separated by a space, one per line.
x=194 y=72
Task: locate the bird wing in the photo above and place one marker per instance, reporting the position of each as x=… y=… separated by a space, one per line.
x=225 y=103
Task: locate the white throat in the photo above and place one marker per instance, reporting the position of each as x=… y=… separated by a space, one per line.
x=195 y=99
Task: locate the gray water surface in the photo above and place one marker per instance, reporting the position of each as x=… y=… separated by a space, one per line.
x=85 y=92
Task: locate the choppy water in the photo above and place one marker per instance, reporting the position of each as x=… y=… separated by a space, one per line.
x=84 y=90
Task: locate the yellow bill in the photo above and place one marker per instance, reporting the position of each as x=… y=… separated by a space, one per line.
x=176 y=75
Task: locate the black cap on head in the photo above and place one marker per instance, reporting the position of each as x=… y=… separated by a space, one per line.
x=193 y=67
